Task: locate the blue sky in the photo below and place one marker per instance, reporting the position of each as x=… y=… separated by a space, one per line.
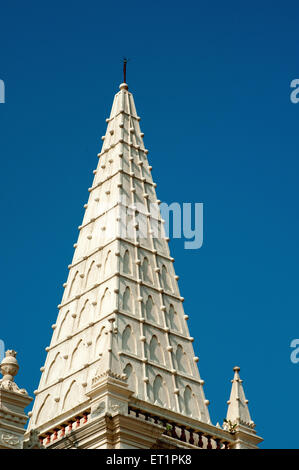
x=211 y=81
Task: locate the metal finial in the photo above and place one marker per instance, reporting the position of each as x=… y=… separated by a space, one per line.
x=125 y=69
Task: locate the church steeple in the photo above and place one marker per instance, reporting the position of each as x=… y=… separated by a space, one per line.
x=121 y=345
x=121 y=309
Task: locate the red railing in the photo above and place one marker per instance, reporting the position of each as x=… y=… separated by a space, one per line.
x=63 y=429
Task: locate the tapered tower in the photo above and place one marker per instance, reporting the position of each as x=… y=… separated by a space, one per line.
x=120 y=370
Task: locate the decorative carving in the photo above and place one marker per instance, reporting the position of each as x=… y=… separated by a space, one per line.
x=98 y=410
x=10 y=439
x=107 y=373
x=33 y=442
x=115 y=406
x=9 y=368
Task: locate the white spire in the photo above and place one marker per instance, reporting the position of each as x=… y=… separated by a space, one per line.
x=238 y=411
x=121 y=313
x=238 y=421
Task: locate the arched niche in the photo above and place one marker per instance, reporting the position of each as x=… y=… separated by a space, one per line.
x=127 y=263
x=147 y=275
x=92 y=274
x=173 y=321
x=101 y=343
x=155 y=351
x=188 y=401
x=83 y=316
x=74 y=285
x=182 y=360
x=131 y=377
x=46 y=410
x=107 y=264
x=64 y=328
x=151 y=309
x=72 y=396
x=105 y=305
x=78 y=356
x=128 y=343
x=165 y=279
x=159 y=392
x=55 y=369
x=127 y=303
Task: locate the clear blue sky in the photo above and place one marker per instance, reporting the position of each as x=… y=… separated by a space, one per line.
x=211 y=81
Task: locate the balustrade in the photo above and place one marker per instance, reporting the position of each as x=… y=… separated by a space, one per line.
x=63 y=429
x=182 y=433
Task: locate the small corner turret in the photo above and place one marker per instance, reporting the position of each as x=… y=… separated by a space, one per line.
x=238 y=420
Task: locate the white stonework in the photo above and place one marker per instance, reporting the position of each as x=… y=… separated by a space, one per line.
x=121 y=338
x=238 y=418
x=238 y=405
x=13 y=400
